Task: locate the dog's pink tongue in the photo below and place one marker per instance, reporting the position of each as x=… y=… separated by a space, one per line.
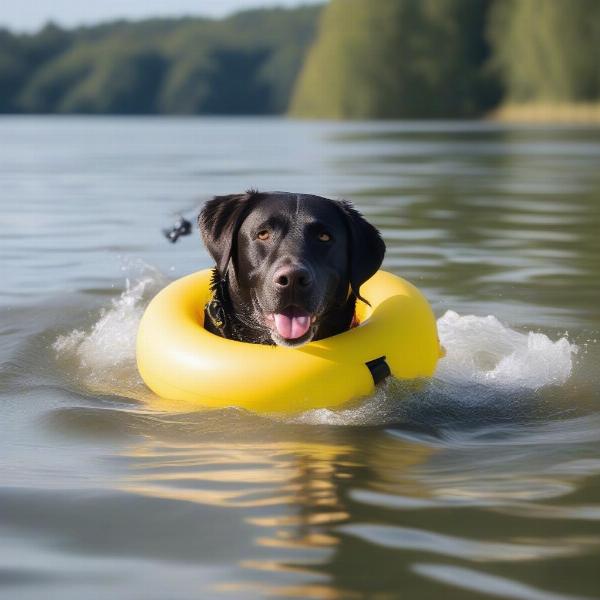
x=292 y=323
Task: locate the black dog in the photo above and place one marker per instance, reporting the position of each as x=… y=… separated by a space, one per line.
x=288 y=266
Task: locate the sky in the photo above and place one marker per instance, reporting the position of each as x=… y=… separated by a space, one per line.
x=30 y=15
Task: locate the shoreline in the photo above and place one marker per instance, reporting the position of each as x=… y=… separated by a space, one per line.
x=564 y=113
x=567 y=113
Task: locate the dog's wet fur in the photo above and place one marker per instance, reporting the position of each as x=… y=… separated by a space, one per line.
x=288 y=266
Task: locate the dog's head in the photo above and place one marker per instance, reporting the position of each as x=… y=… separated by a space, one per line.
x=291 y=259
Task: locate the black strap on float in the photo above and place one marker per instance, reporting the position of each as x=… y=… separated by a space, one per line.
x=379 y=369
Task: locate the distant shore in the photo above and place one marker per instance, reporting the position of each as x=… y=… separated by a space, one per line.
x=547 y=113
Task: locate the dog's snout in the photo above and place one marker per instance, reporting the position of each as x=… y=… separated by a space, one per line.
x=292 y=276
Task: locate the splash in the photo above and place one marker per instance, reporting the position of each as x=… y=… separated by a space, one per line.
x=487 y=364
x=482 y=350
x=484 y=357
x=104 y=354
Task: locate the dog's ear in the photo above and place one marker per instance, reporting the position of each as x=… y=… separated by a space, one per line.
x=366 y=248
x=219 y=222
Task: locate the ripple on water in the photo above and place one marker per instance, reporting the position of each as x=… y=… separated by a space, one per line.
x=478 y=581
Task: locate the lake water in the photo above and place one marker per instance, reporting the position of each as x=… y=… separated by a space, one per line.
x=483 y=484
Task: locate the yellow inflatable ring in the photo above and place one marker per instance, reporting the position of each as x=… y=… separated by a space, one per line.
x=181 y=361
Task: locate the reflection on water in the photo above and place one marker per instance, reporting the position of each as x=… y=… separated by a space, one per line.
x=482 y=483
x=292 y=511
x=288 y=491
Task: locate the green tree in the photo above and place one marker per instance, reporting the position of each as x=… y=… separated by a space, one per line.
x=245 y=64
x=397 y=58
x=13 y=70
x=123 y=81
x=547 y=50
x=21 y=56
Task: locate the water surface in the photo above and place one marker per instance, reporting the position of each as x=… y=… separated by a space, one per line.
x=485 y=483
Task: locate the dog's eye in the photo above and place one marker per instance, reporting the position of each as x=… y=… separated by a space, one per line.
x=264 y=234
x=324 y=237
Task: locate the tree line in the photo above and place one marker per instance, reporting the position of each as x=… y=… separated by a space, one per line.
x=244 y=64
x=348 y=59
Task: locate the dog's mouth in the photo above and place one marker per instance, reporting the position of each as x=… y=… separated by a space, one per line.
x=292 y=324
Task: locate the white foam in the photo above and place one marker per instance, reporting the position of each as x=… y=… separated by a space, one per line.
x=483 y=350
x=105 y=353
x=485 y=362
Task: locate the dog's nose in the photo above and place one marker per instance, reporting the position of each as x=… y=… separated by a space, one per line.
x=292 y=276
